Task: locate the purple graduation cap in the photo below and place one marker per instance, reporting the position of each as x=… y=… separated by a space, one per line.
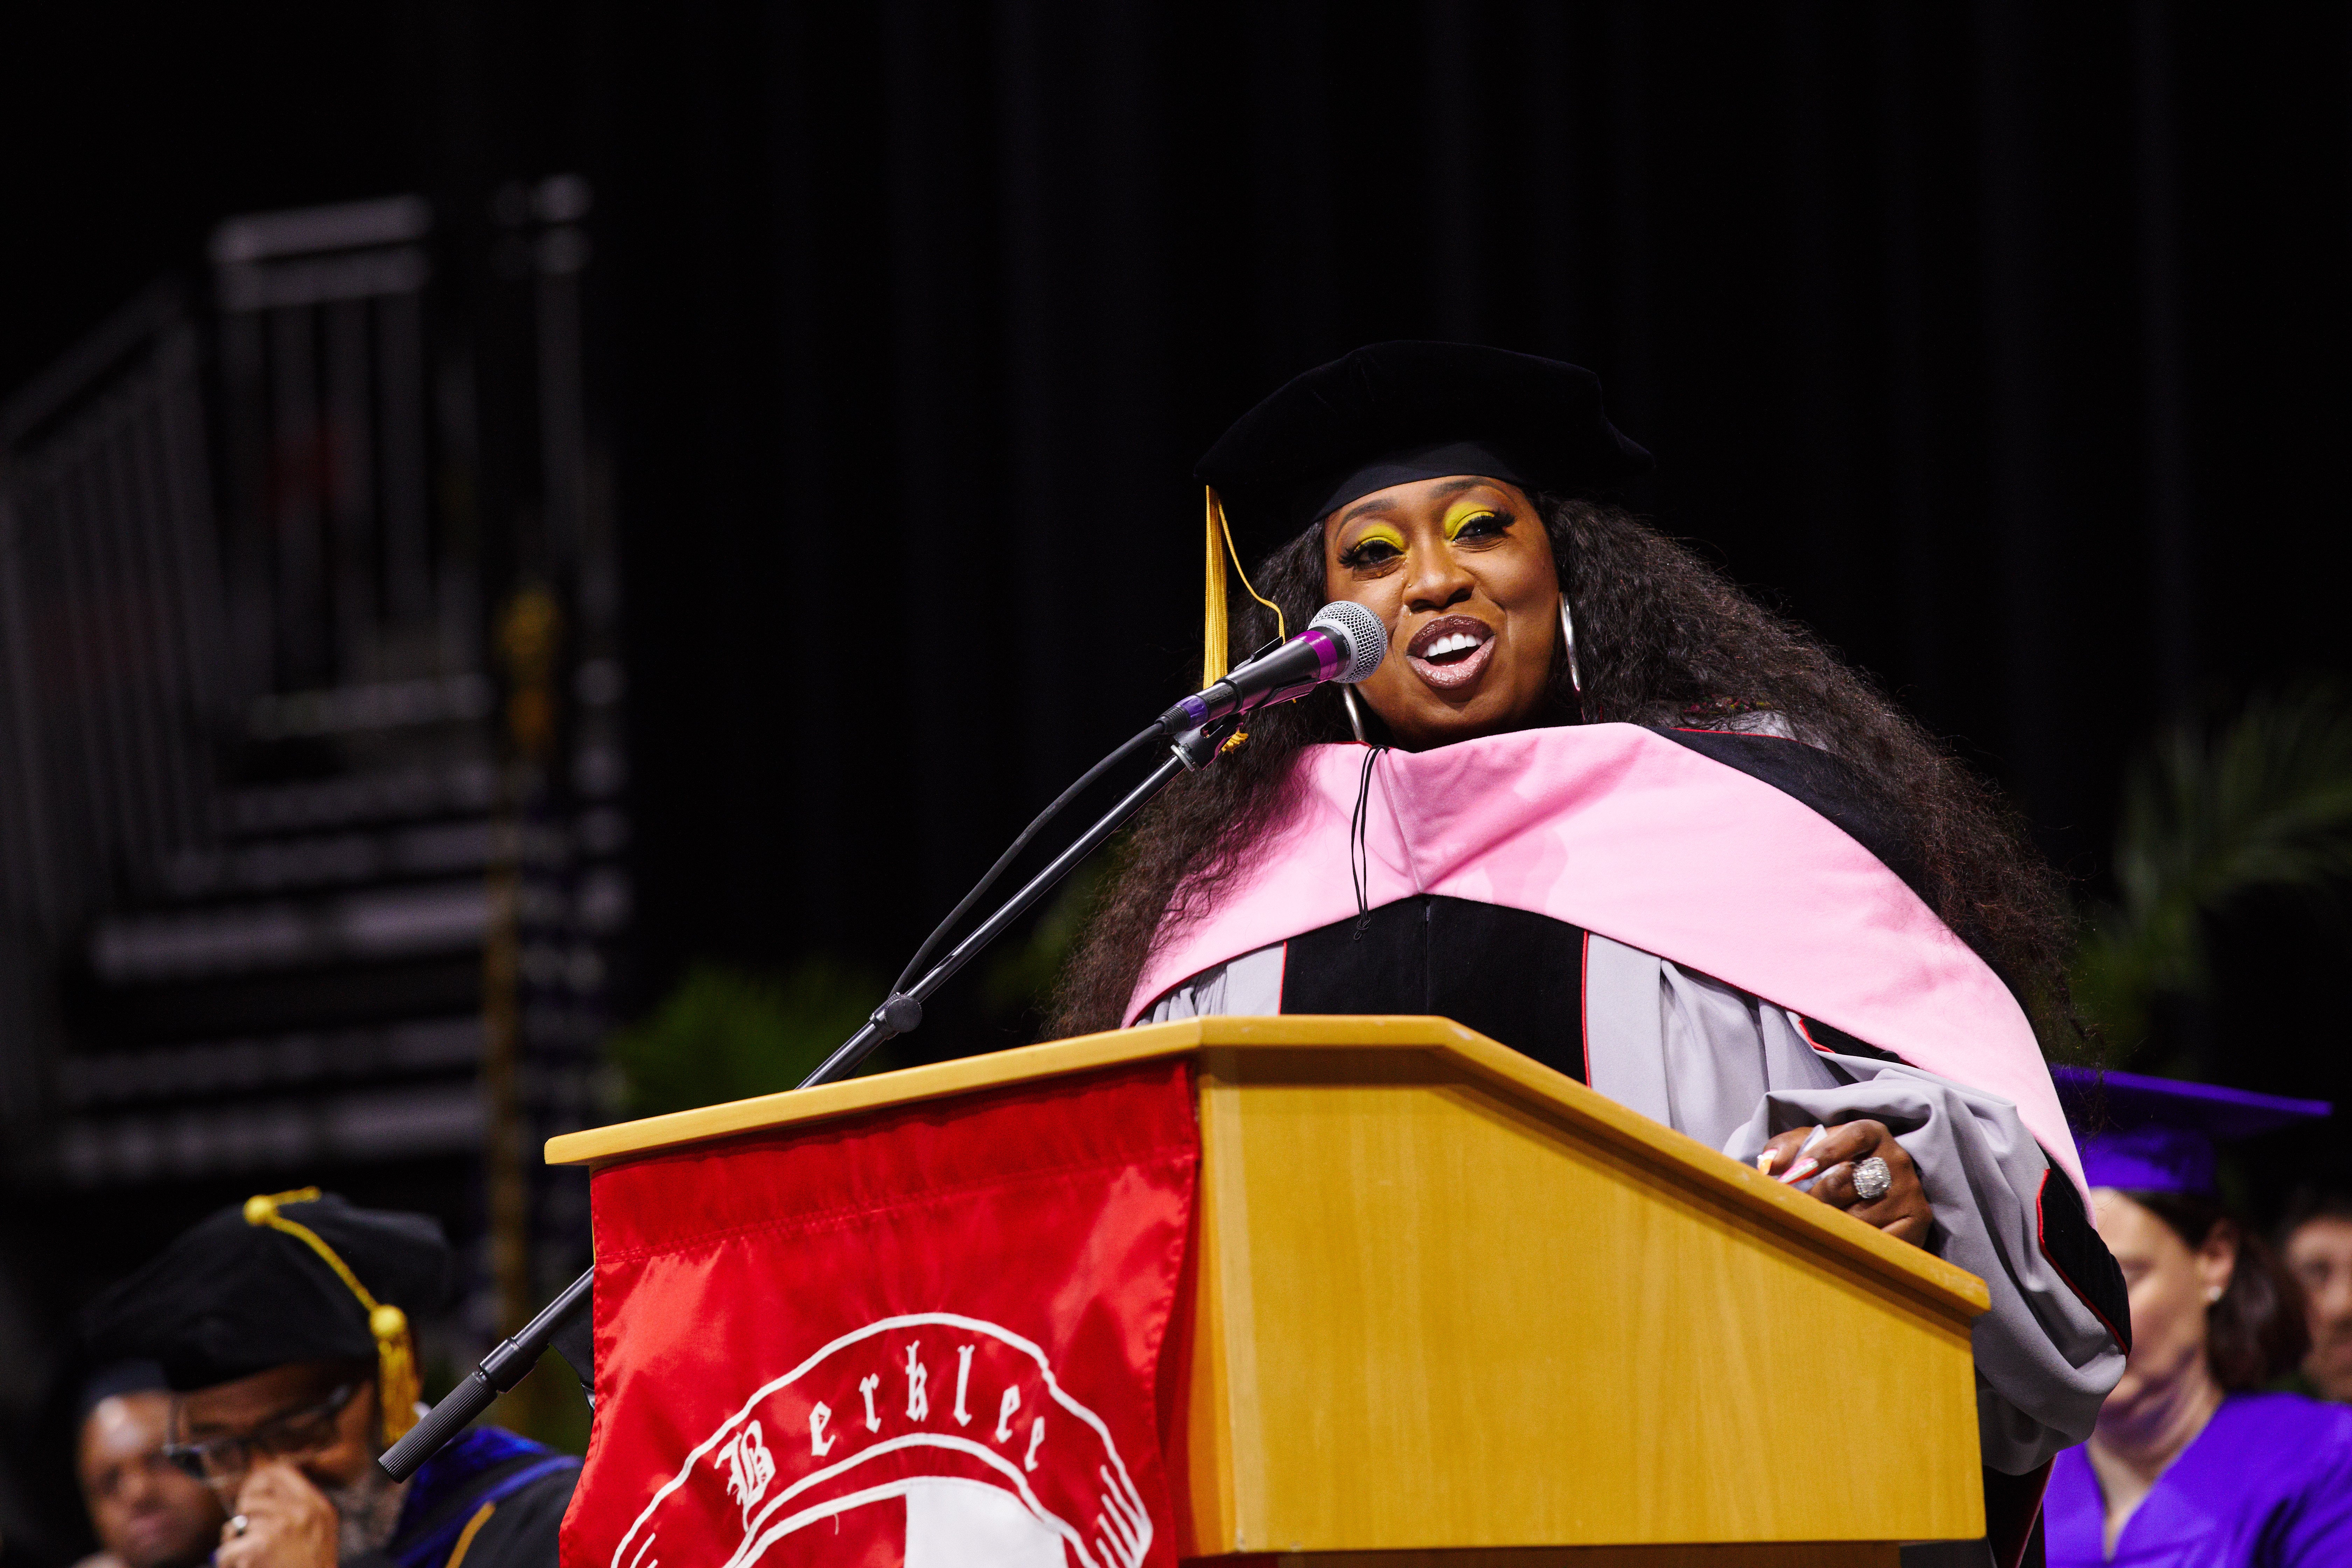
x=2156 y=1134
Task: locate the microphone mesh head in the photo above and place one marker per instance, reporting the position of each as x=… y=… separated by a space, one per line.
x=1359 y=632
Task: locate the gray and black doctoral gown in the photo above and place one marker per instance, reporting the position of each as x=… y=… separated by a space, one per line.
x=1657 y=1033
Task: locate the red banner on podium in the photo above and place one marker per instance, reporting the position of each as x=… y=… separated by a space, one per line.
x=923 y=1336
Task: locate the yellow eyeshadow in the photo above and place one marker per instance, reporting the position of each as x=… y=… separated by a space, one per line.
x=1380 y=533
x=1462 y=515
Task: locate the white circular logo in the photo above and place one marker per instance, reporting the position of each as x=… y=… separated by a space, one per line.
x=962 y=1419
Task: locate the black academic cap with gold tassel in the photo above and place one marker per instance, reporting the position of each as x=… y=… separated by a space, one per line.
x=1385 y=414
x=283 y=1278
x=1393 y=412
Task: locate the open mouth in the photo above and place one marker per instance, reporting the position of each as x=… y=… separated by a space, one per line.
x=1451 y=651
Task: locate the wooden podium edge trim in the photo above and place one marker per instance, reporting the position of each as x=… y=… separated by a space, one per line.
x=1952 y=1290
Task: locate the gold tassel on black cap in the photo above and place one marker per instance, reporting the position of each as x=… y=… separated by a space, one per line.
x=397 y=1383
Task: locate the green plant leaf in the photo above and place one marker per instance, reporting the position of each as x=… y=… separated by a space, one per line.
x=2212 y=813
x=724 y=1034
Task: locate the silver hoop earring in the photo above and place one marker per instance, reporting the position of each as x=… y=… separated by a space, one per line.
x=1568 y=639
x=1355 y=715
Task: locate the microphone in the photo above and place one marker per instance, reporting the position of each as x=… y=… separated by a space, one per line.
x=1344 y=642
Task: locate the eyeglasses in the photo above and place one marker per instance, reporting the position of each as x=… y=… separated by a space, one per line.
x=222 y=1461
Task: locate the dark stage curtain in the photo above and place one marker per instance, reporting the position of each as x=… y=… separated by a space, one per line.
x=1995 y=341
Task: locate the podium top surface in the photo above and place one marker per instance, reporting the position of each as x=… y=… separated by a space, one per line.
x=1511 y=1075
x=1796 y=1217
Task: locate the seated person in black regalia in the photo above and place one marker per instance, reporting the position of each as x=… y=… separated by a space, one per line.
x=145 y=1512
x=282 y=1328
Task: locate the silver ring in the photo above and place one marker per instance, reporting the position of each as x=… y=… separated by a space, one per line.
x=239 y=1525
x=1872 y=1179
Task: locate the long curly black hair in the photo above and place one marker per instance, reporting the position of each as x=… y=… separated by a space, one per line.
x=1662 y=638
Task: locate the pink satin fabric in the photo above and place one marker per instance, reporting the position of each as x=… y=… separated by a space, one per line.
x=1621 y=832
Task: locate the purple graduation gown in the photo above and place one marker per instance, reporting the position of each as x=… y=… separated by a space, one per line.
x=2268 y=1484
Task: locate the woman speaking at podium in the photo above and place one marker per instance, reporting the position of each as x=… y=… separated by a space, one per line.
x=1600 y=807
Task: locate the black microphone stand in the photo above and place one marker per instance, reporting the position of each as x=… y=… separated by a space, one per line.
x=902 y=1013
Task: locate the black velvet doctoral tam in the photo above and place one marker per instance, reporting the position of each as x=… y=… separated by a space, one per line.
x=230 y=1299
x=1392 y=412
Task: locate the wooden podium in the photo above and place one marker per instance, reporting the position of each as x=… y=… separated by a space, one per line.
x=1450 y=1303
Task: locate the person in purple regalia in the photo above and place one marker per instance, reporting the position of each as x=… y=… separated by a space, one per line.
x=2190 y=1464
x=1599 y=805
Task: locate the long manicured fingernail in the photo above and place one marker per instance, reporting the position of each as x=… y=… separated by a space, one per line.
x=1800 y=1170
x=1765 y=1162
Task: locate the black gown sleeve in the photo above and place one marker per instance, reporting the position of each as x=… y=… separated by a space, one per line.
x=522 y=1530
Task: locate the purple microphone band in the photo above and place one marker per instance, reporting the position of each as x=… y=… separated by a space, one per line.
x=1328 y=654
x=1330 y=658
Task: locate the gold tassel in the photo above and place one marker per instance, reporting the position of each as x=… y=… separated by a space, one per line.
x=398 y=1385
x=1213 y=611
x=1213 y=631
